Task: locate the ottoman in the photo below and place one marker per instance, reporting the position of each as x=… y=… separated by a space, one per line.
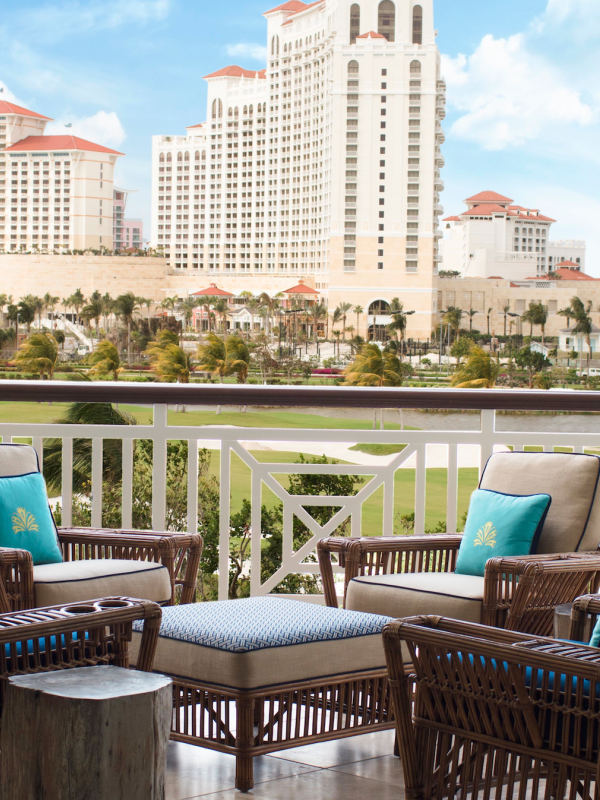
x=261 y=674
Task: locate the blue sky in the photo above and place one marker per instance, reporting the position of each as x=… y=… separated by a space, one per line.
x=523 y=89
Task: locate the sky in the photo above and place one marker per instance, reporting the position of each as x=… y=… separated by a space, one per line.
x=523 y=91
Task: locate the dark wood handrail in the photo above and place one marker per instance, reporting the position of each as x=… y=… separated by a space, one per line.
x=297 y=396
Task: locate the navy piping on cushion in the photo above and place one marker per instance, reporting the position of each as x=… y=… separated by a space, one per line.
x=585 y=455
x=101 y=577
x=15 y=444
x=276 y=646
x=420 y=591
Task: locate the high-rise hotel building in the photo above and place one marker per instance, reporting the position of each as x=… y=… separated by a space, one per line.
x=56 y=192
x=325 y=166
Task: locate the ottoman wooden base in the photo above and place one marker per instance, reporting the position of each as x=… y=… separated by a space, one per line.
x=253 y=723
x=258 y=675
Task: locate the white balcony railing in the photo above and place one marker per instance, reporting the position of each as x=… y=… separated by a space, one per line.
x=423 y=449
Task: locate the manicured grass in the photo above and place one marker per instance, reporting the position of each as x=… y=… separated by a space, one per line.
x=271 y=418
x=46 y=412
x=372 y=509
x=378 y=449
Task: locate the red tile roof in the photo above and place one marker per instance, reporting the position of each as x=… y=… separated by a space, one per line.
x=495 y=278
x=213 y=291
x=11 y=108
x=301 y=288
x=199 y=125
x=237 y=72
x=488 y=197
x=371 y=35
x=59 y=143
x=310 y=5
x=484 y=209
x=567 y=274
x=451 y=219
x=292 y=5
x=568 y=264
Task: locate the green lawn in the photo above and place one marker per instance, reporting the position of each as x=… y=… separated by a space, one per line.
x=378 y=449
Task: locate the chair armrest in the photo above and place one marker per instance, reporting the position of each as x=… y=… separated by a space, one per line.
x=584 y=606
x=178 y=552
x=521 y=592
x=16 y=579
x=373 y=555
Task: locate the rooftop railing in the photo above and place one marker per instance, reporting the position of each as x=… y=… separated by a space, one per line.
x=421 y=451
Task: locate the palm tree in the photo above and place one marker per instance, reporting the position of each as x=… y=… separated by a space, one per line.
x=169 y=303
x=337 y=335
x=172 y=364
x=221 y=307
x=77 y=301
x=344 y=308
x=204 y=303
x=212 y=357
x=237 y=357
x=105 y=360
x=505 y=310
x=270 y=304
x=108 y=307
x=489 y=313
x=39 y=354
x=126 y=305
x=541 y=318
x=252 y=304
x=318 y=312
x=471 y=313
x=93 y=311
x=583 y=324
x=529 y=316
x=3 y=302
x=564 y=312
x=358 y=310
x=452 y=317
x=50 y=302
x=479 y=372
x=375 y=367
x=335 y=318
x=26 y=311
x=187 y=306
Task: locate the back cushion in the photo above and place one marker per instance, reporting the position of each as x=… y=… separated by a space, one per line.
x=17 y=459
x=569 y=478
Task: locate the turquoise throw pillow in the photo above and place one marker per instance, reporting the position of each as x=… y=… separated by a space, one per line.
x=595 y=638
x=500 y=525
x=26 y=522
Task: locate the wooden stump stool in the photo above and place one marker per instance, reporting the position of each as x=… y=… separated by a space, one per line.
x=85 y=734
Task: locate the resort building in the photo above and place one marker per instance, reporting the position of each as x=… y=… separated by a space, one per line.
x=127 y=233
x=56 y=192
x=572 y=250
x=325 y=165
x=494 y=238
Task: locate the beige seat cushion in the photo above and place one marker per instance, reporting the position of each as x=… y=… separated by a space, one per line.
x=86 y=580
x=569 y=478
x=264 y=641
x=443 y=593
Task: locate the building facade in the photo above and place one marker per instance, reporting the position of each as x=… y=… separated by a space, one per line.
x=494 y=238
x=324 y=166
x=127 y=232
x=562 y=250
x=56 y=192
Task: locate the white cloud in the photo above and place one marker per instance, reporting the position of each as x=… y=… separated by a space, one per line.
x=55 y=22
x=101 y=128
x=507 y=94
x=258 y=52
x=9 y=96
x=583 y=14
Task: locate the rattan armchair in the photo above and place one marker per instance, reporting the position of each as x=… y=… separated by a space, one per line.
x=483 y=712
x=165 y=565
x=77 y=635
x=392 y=575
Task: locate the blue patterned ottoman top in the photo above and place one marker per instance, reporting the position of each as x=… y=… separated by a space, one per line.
x=258 y=623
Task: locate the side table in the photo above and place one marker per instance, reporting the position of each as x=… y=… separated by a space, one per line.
x=94 y=733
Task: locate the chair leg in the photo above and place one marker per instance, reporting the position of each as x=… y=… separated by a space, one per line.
x=244 y=741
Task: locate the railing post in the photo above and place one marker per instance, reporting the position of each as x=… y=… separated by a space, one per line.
x=488 y=432
x=224 y=517
x=127 y=485
x=96 y=483
x=192 y=497
x=420 y=483
x=159 y=468
x=452 y=489
x=67 y=482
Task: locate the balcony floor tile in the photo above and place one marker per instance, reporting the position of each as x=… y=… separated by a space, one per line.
x=341 y=770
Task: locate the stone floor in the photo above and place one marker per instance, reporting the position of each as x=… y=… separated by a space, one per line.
x=346 y=769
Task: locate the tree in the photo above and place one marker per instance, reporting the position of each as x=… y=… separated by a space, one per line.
x=26 y=312
x=375 y=367
x=531 y=361
x=270 y=305
x=237 y=357
x=252 y=304
x=222 y=358
x=453 y=317
x=460 y=349
x=358 y=310
x=505 y=310
x=93 y=311
x=77 y=301
x=344 y=308
x=489 y=313
x=221 y=307
x=566 y=312
x=3 y=302
x=541 y=317
x=204 y=303
x=126 y=305
x=335 y=318
x=187 y=306
x=480 y=371
x=471 y=313
x=39 y=354
x=105 y=360
x=318 y=312
x=172 y=364
x=583 y=324
x=530 y=317
x=398 y=324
